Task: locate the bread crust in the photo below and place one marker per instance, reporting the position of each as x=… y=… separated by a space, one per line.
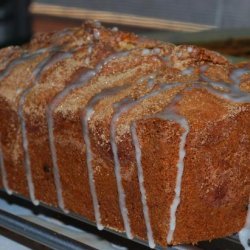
x=69 y=102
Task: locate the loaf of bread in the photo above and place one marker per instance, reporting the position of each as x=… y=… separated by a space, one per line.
x=138 y=136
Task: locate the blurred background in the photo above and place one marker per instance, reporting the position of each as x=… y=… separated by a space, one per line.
x=222 y=25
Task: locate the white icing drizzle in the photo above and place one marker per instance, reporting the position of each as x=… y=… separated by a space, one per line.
x=151 y=81
x=96 y=34
x=187 y=71
x=190 y=49
x=170 y=115
x=87 y=114
x=49 y=113
x=3 y=171
x=24 y=57
x=220 y=85
x=36 y=75
x=237 y=74
x=87 y=60
x=121 y=193
x=146 y=52
x=149 y=78
x=165 y=58
x=167 y=114
x=90 y=48
x=154 y=51
x=115 y=29
x=141 y=185
x=19 y=91
x=89 y=52
x=80 y=82
x=111 y=58
x=122 y=107
x=232 y=96
x=233 y=92
x=52 y=60
x=244 y=234
x=50 y=122
x=26 y=148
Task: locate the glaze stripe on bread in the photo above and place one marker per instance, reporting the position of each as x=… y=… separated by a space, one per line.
x=150 y=235
x=54 y=56
x=88 y=112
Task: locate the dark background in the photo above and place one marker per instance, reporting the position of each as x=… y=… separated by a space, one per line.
x=222 y=25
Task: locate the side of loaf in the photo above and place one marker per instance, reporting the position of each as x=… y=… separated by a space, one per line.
x=138 y=136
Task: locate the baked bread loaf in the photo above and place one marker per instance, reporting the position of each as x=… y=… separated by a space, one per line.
x=140 y=136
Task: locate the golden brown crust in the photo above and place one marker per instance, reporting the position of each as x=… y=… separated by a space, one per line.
x=91 y=71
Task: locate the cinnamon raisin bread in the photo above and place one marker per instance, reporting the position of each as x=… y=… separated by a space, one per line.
x=136 y=135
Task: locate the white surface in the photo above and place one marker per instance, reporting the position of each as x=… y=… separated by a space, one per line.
x=55 y=225
x=7 y=244
x=58 y=226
